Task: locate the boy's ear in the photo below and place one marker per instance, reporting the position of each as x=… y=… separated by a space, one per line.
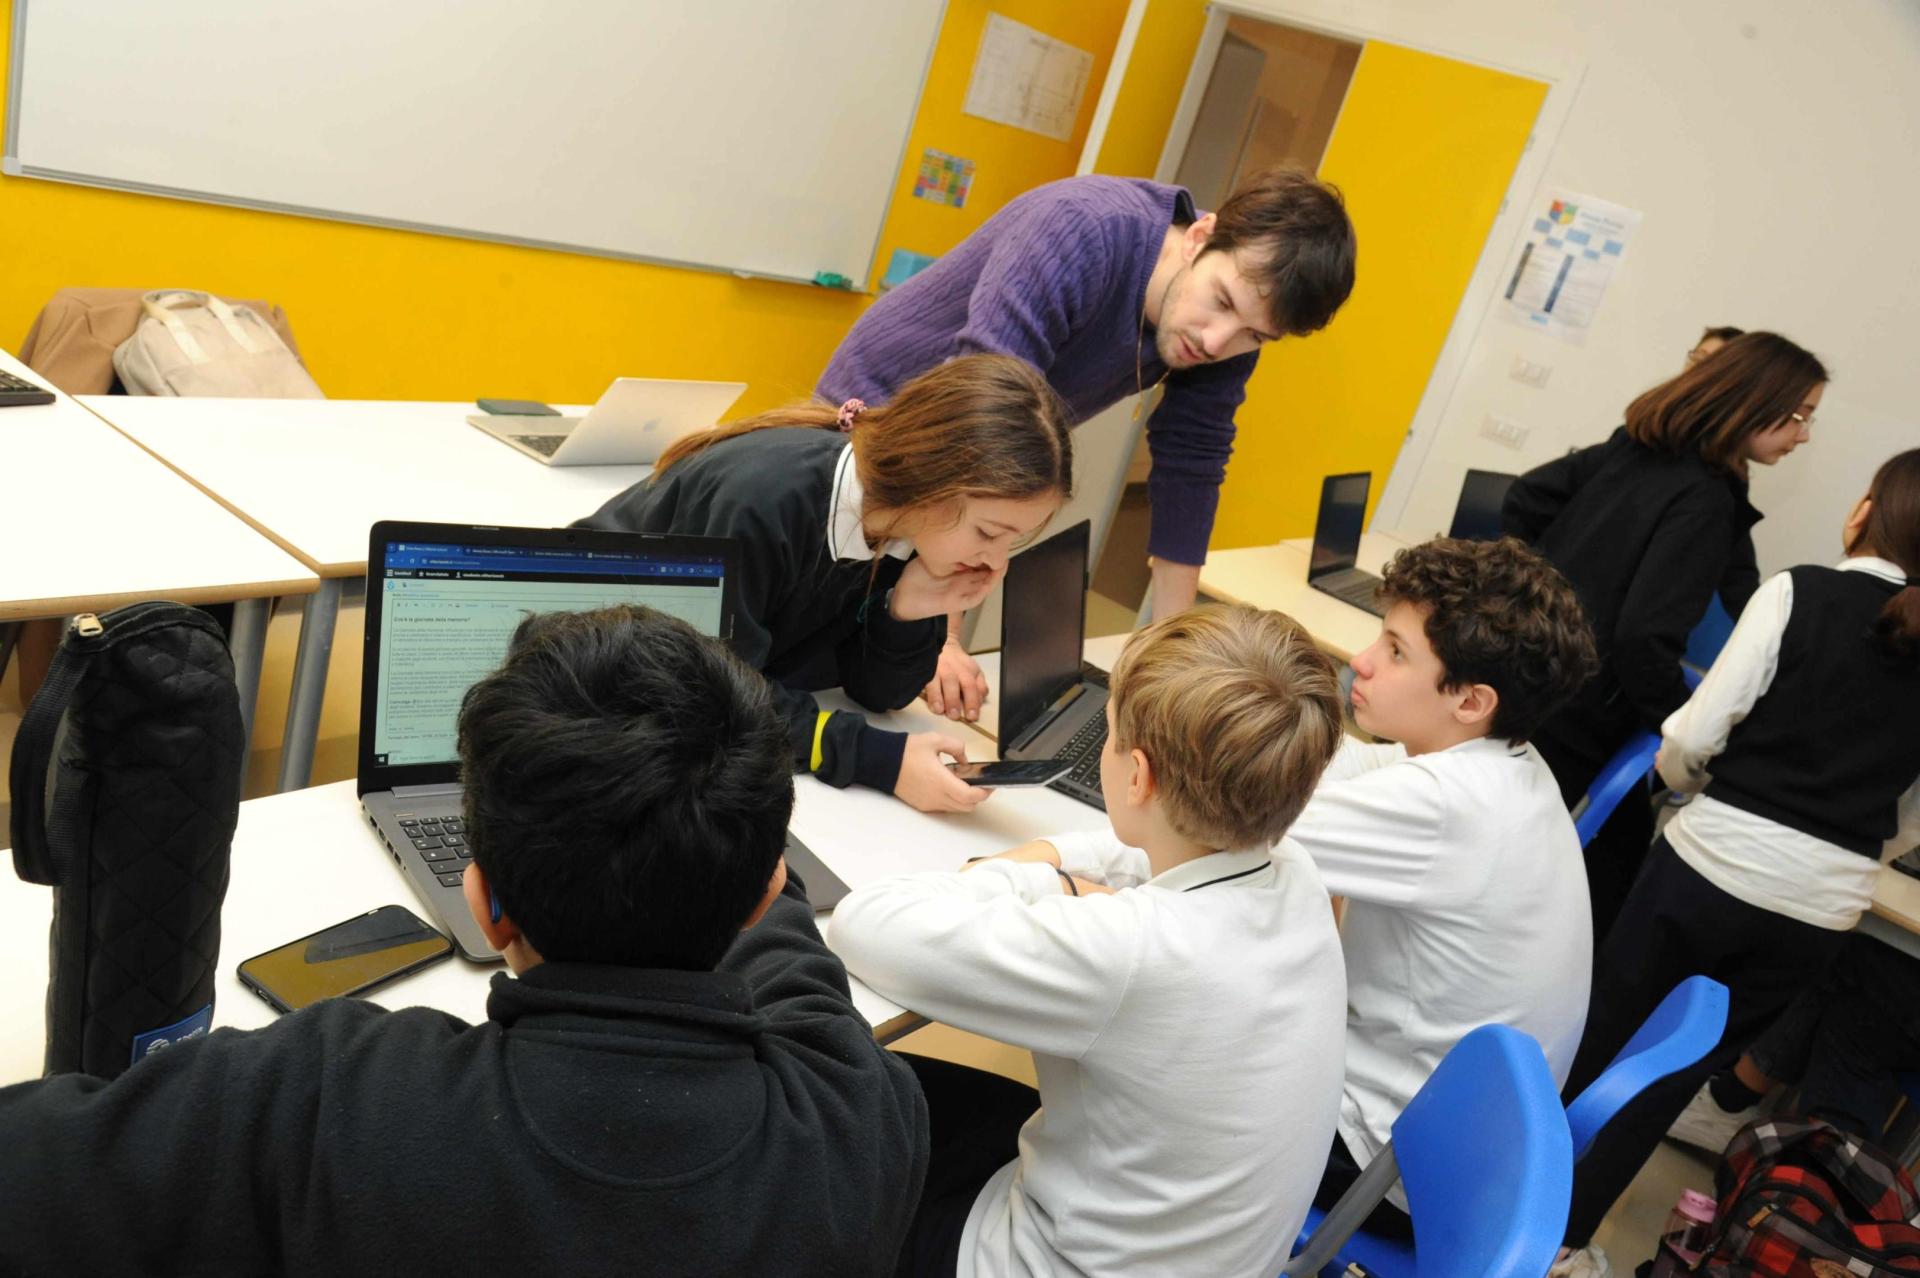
x=1141 y=783
x=1476 y=704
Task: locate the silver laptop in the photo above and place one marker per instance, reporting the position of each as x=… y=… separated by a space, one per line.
x=1053 y=703
x=443 y=601
x=631 y=425
x=1336 y=543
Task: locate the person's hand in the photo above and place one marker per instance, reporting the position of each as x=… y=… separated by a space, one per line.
x=928 y=784
x=1037 y=850
x=958 y=688
x=919 y=594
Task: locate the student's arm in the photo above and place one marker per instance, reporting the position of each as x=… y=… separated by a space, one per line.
x=1535 y=499
x=1742 y=576
x=998 y=950
x=1375 y=836
x=1671 y=587
x=1741 y=675
x=885 y=663
x=1099 y=857
x=1190 y=438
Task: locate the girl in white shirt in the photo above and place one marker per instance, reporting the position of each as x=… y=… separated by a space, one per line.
x=1802 y=743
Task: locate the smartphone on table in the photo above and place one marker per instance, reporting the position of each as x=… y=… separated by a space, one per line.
x=348 y=958
x=1006 y=774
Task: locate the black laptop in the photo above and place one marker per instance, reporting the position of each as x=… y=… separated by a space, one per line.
x=1336 y=543
x=1476 y=516
x=1053 y=704
x=442 y=603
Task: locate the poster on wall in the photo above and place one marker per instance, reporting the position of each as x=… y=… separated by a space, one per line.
x=1028 y=79
x=1573 y=247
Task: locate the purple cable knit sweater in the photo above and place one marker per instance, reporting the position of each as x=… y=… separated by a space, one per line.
x=1059 y=278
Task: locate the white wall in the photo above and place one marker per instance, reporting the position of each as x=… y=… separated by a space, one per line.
x=1770 y=145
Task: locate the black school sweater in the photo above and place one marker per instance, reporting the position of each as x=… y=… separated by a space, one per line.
x=1831 y=747
x=805 y=620
x=600 y=1121
x=1644 y=537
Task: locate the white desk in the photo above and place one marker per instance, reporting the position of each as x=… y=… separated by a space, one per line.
x=89 y=522
x=314 y=475
x=1276 y=577
x=306 y=860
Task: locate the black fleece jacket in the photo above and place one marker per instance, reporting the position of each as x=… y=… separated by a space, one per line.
x=602 y=1120
x=805 y=620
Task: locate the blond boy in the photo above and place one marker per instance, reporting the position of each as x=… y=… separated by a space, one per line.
x=1178 y=979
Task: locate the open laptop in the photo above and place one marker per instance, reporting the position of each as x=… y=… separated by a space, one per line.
x=442 y=603
x=631 y=425
x=1053 y=704
x=1336 y=543
x=1477 y=515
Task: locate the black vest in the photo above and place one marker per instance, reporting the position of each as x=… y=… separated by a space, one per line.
x=1832 y=745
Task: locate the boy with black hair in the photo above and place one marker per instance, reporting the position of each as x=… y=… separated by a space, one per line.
x=677 y=1081
x=1466 y=895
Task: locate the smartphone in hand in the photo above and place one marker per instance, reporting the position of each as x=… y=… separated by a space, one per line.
x=1012 y=775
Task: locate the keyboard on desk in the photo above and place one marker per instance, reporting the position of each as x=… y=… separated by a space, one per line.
x=17 y=392
x=1085 y=747
x=545 y=445
x=1361 y=589
x=440 y=841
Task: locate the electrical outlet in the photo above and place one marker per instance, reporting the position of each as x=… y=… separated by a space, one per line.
x=1528 y=373
x=1508 y=434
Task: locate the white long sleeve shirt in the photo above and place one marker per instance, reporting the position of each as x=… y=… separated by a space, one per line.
x=1186 y=1032
x=1466 y=906
x=1757 y=860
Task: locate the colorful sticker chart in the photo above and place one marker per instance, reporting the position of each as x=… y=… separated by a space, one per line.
x=943 y=179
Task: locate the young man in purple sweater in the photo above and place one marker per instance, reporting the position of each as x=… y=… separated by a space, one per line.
x=1110 y=287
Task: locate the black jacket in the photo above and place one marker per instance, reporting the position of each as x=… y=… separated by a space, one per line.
x=601 y=1121
x=807 y=621
x=1645 y=538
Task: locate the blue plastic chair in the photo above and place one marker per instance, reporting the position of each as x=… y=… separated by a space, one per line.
x=1684 y=1028
x=1710 y=636
x=1484 y=1154
x=1618 y=777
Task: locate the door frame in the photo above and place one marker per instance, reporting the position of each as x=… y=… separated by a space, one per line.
x=1562 y=78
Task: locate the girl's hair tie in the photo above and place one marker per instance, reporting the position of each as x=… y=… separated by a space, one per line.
x=848 y=411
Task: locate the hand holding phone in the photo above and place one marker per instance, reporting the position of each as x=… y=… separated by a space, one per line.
x=348 y=958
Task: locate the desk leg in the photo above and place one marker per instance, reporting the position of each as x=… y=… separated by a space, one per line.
x=249 y=645
x=317 y=620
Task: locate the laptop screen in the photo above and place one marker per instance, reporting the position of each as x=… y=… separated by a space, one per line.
x=1336 y=534
x=441 y=612
x=1477 y=516
x=1042 y=626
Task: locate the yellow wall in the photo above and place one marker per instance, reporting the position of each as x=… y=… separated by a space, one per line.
x=402 y=315
x=1423 y=151
x=1156 y=75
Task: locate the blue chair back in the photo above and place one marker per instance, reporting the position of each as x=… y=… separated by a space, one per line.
x=1620 y=775
x=1487 y=1165
x=1710 y=636
x=1684 y=1028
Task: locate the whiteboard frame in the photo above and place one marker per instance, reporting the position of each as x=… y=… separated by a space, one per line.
x=11 y=166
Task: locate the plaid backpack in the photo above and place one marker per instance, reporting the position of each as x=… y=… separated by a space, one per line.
x=1801 y=1199
x=126 y=788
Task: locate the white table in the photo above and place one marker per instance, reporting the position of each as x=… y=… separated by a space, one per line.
x=1276 y=577
x=89 y=521
x=306 y=860
x=315 y=474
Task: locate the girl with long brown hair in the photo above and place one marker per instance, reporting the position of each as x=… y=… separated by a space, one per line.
x=1645 y=526
x=860 y=529
x=1801 y=745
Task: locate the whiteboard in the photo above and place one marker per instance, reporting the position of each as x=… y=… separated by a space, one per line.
x=758 y=136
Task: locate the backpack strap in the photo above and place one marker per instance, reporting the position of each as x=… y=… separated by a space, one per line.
x=40 y=853
x=235 y=329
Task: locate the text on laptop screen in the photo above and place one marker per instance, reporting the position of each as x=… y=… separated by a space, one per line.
x=447 y=613
x=1343 y=512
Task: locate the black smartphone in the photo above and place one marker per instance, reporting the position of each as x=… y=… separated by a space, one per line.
x=348 y=958
x=516 y=408
x=1007 y=774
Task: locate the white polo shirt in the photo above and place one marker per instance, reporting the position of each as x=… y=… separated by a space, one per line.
x=1466 y=906
x=1186 y=1032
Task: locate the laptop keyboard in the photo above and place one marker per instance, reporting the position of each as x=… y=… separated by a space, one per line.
x=442 y=843
x=545 y=445
x=19 y=392
x=1358 y=590
x=1085 y=747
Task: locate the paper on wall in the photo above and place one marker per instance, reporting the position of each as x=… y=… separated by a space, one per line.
x=1571 y=252
x=1028 y=79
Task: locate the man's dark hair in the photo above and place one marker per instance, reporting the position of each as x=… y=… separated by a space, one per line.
x=1296 y=245
x=628 y=786
x=1498 y=613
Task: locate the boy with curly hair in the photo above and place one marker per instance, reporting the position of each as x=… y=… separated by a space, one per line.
x=1466 y=895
